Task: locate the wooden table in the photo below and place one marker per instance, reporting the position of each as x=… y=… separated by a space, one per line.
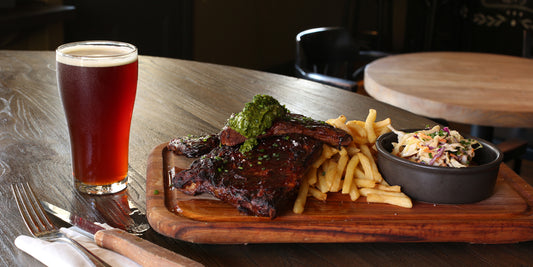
x=473 y=88
x=176 y=98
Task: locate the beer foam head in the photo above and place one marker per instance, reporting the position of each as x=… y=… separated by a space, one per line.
x=96 y=54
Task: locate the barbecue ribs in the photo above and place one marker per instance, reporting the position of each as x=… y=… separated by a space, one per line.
x=259 y=182
x=263 y=181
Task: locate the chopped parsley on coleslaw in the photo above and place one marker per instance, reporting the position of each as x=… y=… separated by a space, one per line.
x=436 y=147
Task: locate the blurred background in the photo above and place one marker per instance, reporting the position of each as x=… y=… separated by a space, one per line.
x=261 y=34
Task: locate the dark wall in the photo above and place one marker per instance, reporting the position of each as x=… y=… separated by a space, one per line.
x=160 y=28
x=497 y=25
x=260 y=34
x=492 y=26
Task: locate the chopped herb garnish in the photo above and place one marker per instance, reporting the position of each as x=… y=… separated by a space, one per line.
x=256 y=117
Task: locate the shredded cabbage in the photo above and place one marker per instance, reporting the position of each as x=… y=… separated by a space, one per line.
x=436 y=147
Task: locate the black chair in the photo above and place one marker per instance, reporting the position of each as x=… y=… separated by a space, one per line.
x=327 y=55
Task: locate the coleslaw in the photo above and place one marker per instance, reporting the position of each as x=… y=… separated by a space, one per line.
x=436 y=147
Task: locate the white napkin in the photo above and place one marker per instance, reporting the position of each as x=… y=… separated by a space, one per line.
x=63 y=254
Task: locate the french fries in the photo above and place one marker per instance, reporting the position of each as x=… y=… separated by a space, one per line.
x=352 y=170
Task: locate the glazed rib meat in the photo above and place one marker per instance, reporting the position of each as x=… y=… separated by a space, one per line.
x=293 y=124
x=191 y=146
x=260 y=182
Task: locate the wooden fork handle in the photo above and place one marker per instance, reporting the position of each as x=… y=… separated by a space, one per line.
x=139 y=250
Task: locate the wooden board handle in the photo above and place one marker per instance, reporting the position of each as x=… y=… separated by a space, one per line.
x=139 y=250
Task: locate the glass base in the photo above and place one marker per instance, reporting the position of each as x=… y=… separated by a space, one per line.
x=101 y=189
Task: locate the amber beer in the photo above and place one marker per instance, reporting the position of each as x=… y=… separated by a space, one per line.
x=98 y=81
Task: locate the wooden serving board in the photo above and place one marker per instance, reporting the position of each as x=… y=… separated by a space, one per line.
x=505 y=217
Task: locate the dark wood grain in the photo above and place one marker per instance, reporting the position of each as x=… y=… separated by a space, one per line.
x=177 y=98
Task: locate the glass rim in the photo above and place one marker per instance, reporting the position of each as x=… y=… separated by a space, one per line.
x=133 y=48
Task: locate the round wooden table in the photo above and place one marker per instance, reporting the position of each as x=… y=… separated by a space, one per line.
x=177 y=98
x=473 y=88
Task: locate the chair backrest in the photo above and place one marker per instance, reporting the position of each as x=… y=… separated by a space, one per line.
x=329 y=50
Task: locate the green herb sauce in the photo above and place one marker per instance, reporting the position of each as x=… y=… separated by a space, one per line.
x=256 y=117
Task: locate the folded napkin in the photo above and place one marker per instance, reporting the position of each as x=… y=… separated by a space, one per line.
x=63 y=254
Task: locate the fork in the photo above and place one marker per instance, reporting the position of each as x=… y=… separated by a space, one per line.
x=40 y=225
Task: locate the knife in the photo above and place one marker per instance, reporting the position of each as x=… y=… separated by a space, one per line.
x=135 y=248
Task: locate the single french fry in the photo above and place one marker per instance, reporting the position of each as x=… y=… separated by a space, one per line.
x=367 y=191
x=356 y=127
x=352 y=149
x=339 y=122
x=376 y=175
x=340 y=119
x=402 y=201
x=348 y=176
x=317 y=194
x=375 y=172
x=367 y=168
x=322 y=184
x=374 y=148
x=363 y=182
x=311 y=176
x=360 y=123
x=382 y=124
x=354 y=192
x=360 y=174
x=366 y=151
x=357 y=131
x=341 y=164
x=382 y=127
x=299 y=204
x=360 y=141
x=369 y=126
x=318 y=162
x=331 y=170
x=389 y=188
x=382 y=131
x=327 y=153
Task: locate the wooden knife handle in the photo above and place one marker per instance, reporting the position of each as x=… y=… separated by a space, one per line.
x=139 y=250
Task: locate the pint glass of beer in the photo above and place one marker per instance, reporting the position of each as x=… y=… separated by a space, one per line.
x=97 y=82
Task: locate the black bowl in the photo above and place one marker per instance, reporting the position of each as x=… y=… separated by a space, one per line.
x=441 y=185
